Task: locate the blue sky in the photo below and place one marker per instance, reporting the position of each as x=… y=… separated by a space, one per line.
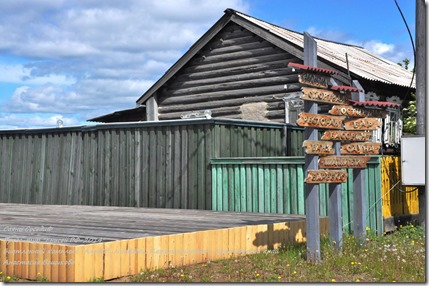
x=78 y=59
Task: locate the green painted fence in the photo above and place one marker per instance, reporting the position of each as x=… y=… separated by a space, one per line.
x=276 y=185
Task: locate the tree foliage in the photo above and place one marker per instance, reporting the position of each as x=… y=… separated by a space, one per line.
x=410 y=112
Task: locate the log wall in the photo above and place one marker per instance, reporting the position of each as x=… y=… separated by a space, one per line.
x=235 y=68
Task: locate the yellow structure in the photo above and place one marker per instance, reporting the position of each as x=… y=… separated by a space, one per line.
x=397 y=199
x=82 y=263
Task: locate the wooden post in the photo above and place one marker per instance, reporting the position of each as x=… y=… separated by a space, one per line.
x=311 y=191
x=359 y=189
x=420 y=60
x=152 y=108
x=335 y=210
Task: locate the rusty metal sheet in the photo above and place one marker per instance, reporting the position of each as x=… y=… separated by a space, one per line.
x=326 y=176
x=318 y=147
x=367 y=123
x=338 y=162
x=348 y=110
x=323 y=95
x=315 y=80
x=320 y=121
x=361 y=148
x=346 y=135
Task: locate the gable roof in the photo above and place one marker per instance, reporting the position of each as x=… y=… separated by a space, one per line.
x=362 y=63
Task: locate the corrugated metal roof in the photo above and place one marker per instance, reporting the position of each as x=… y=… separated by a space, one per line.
x=361 y=62
x=310 y=68
x=374 y=103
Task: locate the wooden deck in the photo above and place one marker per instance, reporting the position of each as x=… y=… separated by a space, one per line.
x=78 y=243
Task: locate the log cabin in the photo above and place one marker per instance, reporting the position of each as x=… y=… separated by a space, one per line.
x=245 y=68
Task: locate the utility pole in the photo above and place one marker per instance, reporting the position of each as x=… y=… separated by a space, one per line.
x=420 y=60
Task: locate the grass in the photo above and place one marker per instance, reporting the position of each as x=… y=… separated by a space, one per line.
x=396 y=257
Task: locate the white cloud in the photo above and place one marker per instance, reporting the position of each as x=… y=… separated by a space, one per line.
x=88 y=57
x=18 y=121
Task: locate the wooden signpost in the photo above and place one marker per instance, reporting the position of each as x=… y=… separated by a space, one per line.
x=326 y=176
x=348 y=110
x=367 y=123
x=315 y=80
x=320 y=121
x=318 y=147
x=334 y=162
x=361 y=148
x=335 y=135
x=323 y=96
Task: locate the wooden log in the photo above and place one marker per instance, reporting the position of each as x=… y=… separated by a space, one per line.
x=234 y=85
x=205 y=59
x=250 y=45
x=280 y=55
x=205 y=104
x=235 y=110
x=219 y=42
x=220 y=95
x=266 y=72
x=315 y=80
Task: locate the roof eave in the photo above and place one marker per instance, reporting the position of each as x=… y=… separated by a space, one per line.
x=193 y=50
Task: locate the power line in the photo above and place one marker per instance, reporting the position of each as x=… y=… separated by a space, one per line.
x=414 y=48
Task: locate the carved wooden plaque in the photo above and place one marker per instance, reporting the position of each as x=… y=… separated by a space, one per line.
x=326 y=176
x=315 y=80
x=324 y=96
x=338 y=162
x=348 y=110
x=367 y=123
x=320 y=121
x=318 y=147
x=354 y=136
x=361 y=148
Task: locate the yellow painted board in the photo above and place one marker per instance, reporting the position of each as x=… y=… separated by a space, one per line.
x=25 y=258
x=47 y=261
x=156 y=251
x=187 y=248
x=171 y=250
x=149 y=253
x=55 y=257
x=112 y=259
x=163 y=251
x=32 y=257
x=178 y=250
x=124 y=258
x=133 y=255
x=71 y=266
x=141 y=254
x=10 y=257
x=63 y=264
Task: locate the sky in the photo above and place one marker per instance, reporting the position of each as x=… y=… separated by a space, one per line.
x=78 y=59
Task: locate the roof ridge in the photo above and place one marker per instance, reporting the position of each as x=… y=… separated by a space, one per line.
x=236 y=12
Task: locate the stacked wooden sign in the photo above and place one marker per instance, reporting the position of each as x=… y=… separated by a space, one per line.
x=349 y=125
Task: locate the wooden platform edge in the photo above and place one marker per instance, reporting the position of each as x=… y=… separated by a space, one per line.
x=109 y=260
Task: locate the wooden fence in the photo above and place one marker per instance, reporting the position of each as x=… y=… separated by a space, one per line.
x=276 y=185
x=152 y=164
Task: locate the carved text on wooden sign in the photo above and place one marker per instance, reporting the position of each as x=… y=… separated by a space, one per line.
x=346 y=135
x=325 y=96
x=314 y=80
x=326 y=176
x=332 y=162
x=361 y=148
x=348 y=110
x=320 y=121
x=318 y=147
x=366 y=123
